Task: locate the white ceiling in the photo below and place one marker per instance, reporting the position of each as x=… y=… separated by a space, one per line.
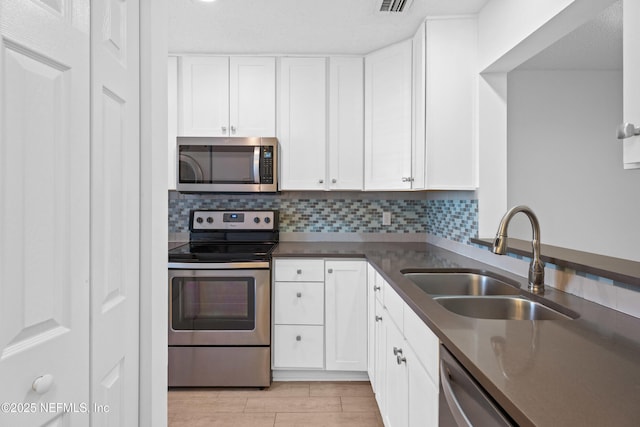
x=298 y=26
x=597 y=45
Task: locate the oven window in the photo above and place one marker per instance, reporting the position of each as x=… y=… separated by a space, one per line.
x=206 y=303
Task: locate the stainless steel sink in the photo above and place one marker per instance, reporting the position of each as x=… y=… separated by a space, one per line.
x=457 y=282
x=501 y=307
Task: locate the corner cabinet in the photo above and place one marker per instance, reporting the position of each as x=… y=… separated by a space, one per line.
x=227 y=96
x=451 y=117
x=388 y=102
x=319 y=316
x=403 y=358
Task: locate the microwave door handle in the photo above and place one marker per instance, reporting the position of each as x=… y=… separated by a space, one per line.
x=256 y=165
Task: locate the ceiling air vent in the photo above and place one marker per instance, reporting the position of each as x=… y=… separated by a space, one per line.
x=394 y=5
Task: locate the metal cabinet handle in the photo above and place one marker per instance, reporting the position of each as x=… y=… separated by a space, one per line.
x=330 y=270
x=397 y=351
x=400 y=359
x=321 y=181
x=376 y=288
x=233 y=129
x=224 y=129
x=627 y=130
x=333 y=181
x=407 y=179
x=299 y=294
x=299 y=271
x=298 y=338
x=378 y=318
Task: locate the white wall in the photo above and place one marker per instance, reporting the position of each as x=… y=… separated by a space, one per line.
x=564 y=161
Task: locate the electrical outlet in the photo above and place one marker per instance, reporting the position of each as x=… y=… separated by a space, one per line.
x=386 y=218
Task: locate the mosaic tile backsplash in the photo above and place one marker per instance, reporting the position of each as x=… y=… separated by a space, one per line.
x=315 y=215
x=454 y=219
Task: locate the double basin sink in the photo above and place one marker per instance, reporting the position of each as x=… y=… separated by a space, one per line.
x=483 y=295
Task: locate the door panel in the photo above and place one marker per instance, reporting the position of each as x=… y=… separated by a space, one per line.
x=44 y=208
x=115 y=148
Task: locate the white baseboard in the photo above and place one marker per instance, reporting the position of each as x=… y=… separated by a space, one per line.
x=318 y=375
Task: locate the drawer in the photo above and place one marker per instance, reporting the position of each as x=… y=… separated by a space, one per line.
x=394 y=304
x=299 y=303
x=299 y=270
x=423 y=341
x=298 y=346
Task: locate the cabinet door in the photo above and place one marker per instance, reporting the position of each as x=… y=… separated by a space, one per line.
x=371 y=325
x=451 y=113
x=252 y=104
x=302 y=123
x=346 y=315
x=204 y=96
x=397 y=388
x=418 y=137
x=380 y=356
x=631 y=81
x=423 y=399
x=388 y=118
x=346 y=123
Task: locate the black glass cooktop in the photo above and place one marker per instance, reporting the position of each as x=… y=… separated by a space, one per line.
x=222 y=252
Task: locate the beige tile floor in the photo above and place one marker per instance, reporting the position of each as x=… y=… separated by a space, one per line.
x=284 y=404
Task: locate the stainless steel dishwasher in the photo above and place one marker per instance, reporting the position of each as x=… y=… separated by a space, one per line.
x=463 y=402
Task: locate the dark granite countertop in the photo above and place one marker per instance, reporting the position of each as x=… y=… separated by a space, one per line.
x=582 y=372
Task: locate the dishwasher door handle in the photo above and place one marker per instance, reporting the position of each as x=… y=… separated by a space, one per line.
x=456 y=410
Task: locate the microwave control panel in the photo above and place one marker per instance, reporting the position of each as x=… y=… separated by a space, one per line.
x=266 y=164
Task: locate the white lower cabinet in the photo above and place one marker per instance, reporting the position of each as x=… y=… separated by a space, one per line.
x=405 y=356
x=320 y=314
x=298 y=346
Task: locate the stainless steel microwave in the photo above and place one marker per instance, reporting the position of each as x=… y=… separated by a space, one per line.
x=234 y=164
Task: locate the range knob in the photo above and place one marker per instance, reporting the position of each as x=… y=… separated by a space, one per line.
x=199 y=220
x=267 y=220
x=210 y=220
x=256 y=220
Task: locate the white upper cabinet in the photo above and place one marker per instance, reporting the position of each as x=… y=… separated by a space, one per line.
x=346 y=123
x=451 y=87
x=388 y=102
x=631 y=81
x=222 y=96
x=302 y=123
x=252 y=90
x=418 y=141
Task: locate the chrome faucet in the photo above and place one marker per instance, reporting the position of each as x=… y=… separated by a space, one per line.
x=536 y=268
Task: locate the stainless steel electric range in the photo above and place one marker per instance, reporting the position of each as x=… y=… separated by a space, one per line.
x=220 y=300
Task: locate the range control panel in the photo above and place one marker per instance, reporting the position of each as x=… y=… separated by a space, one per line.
x=233 y=220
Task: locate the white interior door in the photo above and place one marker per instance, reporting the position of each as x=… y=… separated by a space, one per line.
x=44 y=211
x=115 y=170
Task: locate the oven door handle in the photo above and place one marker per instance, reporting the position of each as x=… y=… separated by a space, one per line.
x=256 y=164
x=218 y=265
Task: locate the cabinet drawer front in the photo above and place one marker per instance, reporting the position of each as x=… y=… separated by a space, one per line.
x=299 y=303
x=299 y=270
x=423 y=341
x=394 y=304
x=296 y=346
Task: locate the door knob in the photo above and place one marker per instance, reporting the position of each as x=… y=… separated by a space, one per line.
x=298 y=338
x=42 y=384
x=330 y=270
x=627 y=130
x=299 y=294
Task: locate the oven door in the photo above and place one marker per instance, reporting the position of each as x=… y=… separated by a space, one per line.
x=218 y=307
